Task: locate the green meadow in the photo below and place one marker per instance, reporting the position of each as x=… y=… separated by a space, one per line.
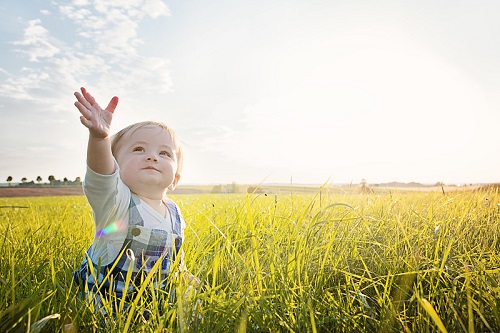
x=289 y=262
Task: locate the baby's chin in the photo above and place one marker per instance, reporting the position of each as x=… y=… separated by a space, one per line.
x=152 y=191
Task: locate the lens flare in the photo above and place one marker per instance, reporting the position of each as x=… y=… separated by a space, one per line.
x=113 y=227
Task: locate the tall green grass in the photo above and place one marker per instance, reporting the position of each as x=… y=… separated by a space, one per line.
x=330 y=262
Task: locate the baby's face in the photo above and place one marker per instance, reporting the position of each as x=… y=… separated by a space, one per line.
x=147 y=160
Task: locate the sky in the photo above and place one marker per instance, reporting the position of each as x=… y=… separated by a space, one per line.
x=260 y=91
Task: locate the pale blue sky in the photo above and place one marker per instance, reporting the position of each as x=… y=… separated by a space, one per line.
x=260 y=90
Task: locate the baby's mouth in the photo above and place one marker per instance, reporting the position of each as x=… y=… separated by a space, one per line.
x=151 y=168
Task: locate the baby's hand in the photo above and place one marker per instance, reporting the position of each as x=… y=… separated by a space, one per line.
x=191 y=279
x=97 y=120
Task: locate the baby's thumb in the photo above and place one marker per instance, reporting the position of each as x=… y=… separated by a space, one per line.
x=112 y=104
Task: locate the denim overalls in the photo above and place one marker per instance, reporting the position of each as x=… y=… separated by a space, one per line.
x=142 y=247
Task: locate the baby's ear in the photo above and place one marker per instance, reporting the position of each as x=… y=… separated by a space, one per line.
x=172 y=186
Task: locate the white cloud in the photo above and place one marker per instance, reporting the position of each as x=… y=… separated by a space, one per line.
x=36 y=42
x=152 y=73
x=155 y=8
x=19 y=87
x=76 y=14
x=103 y=54
x=81 y=2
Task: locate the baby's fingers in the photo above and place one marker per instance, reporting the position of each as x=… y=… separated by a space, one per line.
x=88 y=96
x=83 y=110
x=81 y=99
x=87 y=123
x=112 y=104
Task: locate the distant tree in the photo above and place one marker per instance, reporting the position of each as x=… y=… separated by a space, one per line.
x=217 y=189
x=234 y=188
x=52 y=179
x=78 y=180
x=65 y=180
x=254 y=189
x=38 y=179
x=9 y=179
x=364 y=187
x=441 y=184
x=24 y=180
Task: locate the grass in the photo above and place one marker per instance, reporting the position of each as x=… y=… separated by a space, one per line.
x=289 y=262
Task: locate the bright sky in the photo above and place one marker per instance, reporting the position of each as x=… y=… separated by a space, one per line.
x=262 y=90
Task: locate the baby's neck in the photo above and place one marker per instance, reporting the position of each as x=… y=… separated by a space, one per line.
x=156 y=204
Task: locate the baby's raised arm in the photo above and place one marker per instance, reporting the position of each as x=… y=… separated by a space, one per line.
x=98 y=121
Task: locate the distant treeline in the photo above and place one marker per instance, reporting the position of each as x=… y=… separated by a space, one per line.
x=52 y=182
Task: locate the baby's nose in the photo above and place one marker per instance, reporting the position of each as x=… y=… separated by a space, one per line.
x=152 y=158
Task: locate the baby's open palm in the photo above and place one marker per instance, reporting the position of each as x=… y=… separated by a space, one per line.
x=97 y=120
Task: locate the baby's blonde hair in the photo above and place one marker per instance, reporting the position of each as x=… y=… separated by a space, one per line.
x=117 y=138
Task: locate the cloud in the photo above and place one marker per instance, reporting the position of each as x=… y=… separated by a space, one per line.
x=102 y=52
x=155 y=8
x=112 y=25
x=36 y=42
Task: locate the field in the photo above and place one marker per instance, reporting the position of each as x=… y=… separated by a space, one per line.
x=326 y=261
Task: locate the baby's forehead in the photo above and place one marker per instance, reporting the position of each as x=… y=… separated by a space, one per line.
x=147 y=130
x=147 y=134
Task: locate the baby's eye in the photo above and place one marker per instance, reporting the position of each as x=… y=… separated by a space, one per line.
x=165 y=153
x=141 y=149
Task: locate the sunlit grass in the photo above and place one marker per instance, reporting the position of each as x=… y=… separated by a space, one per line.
x=395 y=262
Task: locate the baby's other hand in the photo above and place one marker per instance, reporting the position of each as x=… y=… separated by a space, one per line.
x=190 y=279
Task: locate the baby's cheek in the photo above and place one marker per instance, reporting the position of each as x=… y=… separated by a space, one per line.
x=128 y=178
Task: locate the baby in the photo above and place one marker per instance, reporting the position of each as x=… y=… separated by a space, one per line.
x=138 y=228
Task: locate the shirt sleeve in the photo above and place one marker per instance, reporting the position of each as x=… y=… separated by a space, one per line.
x=108 y=196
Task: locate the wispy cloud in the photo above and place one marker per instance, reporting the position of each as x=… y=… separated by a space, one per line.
x=103 y=52
x=111 y=26
x=36 y=42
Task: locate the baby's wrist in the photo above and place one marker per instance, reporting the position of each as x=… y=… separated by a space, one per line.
x=98 y=136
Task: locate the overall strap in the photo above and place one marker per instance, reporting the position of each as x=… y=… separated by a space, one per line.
x=134 y=217
x=175 y=216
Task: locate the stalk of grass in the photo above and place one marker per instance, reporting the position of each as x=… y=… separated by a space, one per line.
x=470 y=305
x=433 y=314
x=254 y=246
